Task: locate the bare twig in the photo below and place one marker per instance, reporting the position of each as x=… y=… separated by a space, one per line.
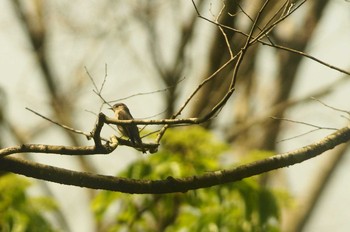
x=156 y=121
x=104 y=79
x=217 y=24
x=162 y=131
x=88 y=135
x=305 y=123
x=331 y=107
x=298 y=136
x=240 y=55
x=239 y=129
x=258 y=38
x=223 y=101
x=223 y=32
x=96 y=90
x=91 y=79
x=278 y=21
x=147 y=93
x=251 y=19
x=307 y=56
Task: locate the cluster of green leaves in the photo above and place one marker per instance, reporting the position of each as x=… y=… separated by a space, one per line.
x=241 y=206
x=18 y=211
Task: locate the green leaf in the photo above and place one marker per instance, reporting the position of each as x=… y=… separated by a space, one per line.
x=18 y=211
x=241 y=206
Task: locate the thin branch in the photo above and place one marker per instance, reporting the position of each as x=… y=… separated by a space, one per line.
x=251 y=19
x=255 y=23
x=298 y=136
x=283 y=16
x=307 y=56
x=51 y=149
x=156 y=121
x=240 y=55
x=331 y=107
x=223 y=101
x=171 y=185
x=305 y=123
x=96 y=90
x=258 y=38
x=273 y=44
x=151 y=92
x=91 y=79
x=88 y=135
x=242 y=128
x=217 y=24
x=273 y=25
x=223 y=32
x=162 y=131
x=104 y=79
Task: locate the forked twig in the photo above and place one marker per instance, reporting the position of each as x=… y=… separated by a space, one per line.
x=88 y=135
x=303 y=123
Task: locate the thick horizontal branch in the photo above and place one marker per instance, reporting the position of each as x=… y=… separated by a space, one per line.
x=170 y=185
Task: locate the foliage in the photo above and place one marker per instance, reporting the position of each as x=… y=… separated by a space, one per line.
x=18 y=211
x=243 y=206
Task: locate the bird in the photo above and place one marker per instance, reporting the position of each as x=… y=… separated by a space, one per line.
x=131 y=131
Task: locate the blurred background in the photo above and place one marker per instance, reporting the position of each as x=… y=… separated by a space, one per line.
x=152 y=55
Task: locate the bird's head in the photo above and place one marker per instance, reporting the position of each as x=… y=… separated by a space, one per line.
x=119 y=106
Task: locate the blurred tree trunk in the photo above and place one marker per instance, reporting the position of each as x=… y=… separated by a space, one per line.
x=34 y=23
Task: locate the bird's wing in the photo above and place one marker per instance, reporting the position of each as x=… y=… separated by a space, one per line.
x=124 y=116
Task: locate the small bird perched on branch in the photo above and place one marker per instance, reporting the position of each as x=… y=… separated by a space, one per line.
x=122 y=112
